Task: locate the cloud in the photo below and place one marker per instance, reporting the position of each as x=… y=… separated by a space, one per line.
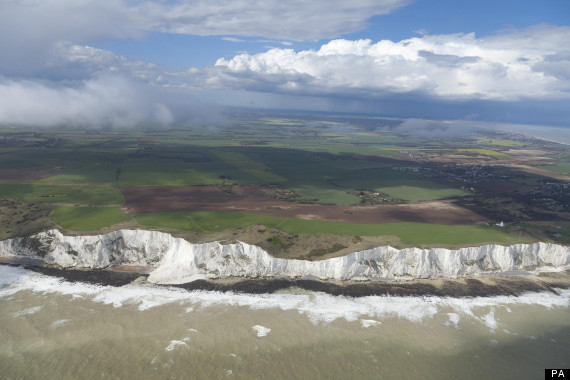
x=446 y=60
x=446 y=128
x=513 y=66
x=104 y=101
x=293 y=19
x=465 y=128
x=49 y=39
x=555 y=65
x=30 y=29
x=73 y=62
x=233 y=39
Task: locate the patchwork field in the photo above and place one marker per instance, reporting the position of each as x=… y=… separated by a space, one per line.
x=255 y=200
x=297 y=175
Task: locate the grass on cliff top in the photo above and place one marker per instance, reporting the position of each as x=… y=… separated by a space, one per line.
x=409 y=233
x=88 y=218
x=205 y=221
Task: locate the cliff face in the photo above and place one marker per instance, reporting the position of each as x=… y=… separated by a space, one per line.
x=176 y=261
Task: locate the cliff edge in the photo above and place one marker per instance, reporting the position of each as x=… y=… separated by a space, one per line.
x=175 y=261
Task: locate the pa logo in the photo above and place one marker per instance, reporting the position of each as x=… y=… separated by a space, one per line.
x=556 y=373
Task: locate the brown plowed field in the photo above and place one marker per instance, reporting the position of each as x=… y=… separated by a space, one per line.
x=25 y=174
x=254 y=200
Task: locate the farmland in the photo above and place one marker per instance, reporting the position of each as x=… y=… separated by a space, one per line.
x=409 y=233
x=293 y=174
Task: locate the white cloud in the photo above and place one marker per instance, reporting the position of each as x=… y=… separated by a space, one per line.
x=233 y=39
x=526 y=64
x=104 y=101
x=31 y=28
x=292 y=19
x=49 y=38
x=70 y=61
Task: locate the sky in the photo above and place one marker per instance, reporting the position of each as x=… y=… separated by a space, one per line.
x=124 y=63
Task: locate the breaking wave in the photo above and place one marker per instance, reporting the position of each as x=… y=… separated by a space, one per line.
x=318 y=307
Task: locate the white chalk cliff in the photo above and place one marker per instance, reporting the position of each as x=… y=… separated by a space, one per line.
x=176 y=261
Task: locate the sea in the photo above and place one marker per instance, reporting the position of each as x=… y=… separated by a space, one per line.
x=51 y=328
x=560 y=135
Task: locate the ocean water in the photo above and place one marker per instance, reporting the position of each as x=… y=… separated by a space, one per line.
x=53 y=329
x=557 y=134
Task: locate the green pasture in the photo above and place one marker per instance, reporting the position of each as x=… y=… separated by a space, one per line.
x=10 y=161
x=254 y=167
x=325 y=193
x=169 y=172
x=88 y=174
x=171 y=220
x=421 y=192
x=499 y=142
x=560 y=168
x=88 y=218
x=484 y=152
x=313 y=175
x=31 y=158
x=34 y=193
x=409 y=233
x=205 y=221
x=396 y=184
x=310 y=175
x=449 y=150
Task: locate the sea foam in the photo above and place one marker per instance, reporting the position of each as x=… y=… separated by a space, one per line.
x=317 y=307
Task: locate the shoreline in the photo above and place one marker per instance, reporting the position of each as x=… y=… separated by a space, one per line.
x=475 y=286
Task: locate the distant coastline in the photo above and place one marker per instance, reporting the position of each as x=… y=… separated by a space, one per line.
x=558 y=135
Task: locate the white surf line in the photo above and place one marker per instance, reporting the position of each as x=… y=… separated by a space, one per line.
x=318 y=307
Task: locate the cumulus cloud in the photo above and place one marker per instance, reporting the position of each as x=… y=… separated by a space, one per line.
x=31 y=28
x=527 y=64
x=82 y=85
x=75 y=62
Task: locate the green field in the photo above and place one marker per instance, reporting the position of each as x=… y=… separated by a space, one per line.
x=502 y=142
x=247 y=165
x=77 y=194
x=397 y=184
x=561 y=168
x=409 y=233
x=485 y=152
x=206 y=221
x=88 y=218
